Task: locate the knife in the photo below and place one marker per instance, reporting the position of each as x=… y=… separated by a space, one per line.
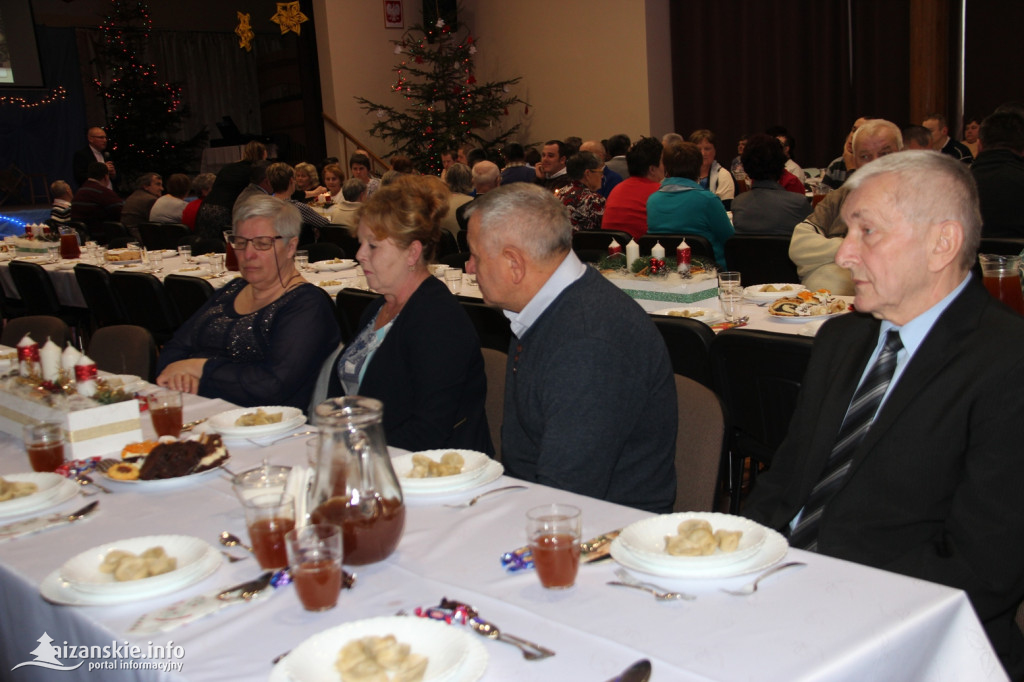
x=638 y=672
x=29 y=526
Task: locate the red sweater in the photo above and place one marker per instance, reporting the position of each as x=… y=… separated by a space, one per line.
x=626 y=208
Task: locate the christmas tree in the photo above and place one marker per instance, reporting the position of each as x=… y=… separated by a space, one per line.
x=445 y=106
x=144 y=113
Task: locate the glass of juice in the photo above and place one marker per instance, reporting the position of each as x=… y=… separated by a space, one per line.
x=44 y=442
x=269 y=517
x=165 y=411
x=554 y=532
x=315 y=555
x=1001 y=276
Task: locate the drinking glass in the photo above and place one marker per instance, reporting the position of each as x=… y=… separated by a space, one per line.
x=301 y=260
x=554 y=532
x=53 y=252
x=453 y=278
x=44 y=442
x=216 y=264
x=315 y=555
x=269 y=517
x=156 y=261
x=185 y=252
x=165 y=411
x=732 y=302
x=729 y=279
x=263 y=480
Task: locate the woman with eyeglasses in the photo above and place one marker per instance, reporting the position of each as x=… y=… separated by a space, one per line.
x=416 y=349
x=259 y=340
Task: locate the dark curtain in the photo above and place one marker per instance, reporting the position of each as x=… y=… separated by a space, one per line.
x=41 y=139
x=740 y=67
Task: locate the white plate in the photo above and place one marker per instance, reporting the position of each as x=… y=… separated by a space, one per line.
x=55 y=492
x=224 y=423
x=192 y=271
x=332 y=289
x=68 y=264
x=492 y=472
x=34 y=259
x=129 y=382
x=168 y=483
x=445 y=646
x=332 y=266
x=474 y=466
x=56 y=591
x=772 y=552
x=646 y=539
x=83 y=574
x=135 y=267
x=800 y=319
x=710 y=315
x=754 y=292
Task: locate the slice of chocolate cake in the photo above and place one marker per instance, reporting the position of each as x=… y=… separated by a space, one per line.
x=216 y=453
x=171 y=460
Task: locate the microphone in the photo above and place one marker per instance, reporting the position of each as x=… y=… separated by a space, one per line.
x=106 y=156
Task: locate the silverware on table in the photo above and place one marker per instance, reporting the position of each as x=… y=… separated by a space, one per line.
x=83 y=480
x=627 y=580
x=638 y=672
x=232 y=558
x=192 y=424
x=470 y=503
x=278 y=440
x=658 y=594
x=751 y=587
x=531 y=651
x=231 y=540
x=248 y=589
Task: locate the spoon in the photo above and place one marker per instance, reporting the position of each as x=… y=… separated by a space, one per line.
x=84 y=480
x=531 y=651
x=660 y=596
x=751 y=587
x=231 y=540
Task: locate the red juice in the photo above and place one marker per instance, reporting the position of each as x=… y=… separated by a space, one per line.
x=69 y=246
x=46 y=456
x=557 y=559
x=166 y=420
x=1007 y=290
x=318 y=584
x=370 y=539
x=268 y=543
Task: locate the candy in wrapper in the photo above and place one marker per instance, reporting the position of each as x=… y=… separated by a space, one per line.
x=448 y=611
x=517 y=560
x=78 y=466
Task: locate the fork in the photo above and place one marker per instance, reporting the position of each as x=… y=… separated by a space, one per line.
x=751 y=587
x=470 y=503
x=278 y=440
x=627 y=580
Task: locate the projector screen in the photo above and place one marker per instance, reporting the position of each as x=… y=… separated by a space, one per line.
x=19 y=56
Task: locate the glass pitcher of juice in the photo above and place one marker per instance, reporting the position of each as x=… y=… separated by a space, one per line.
x=69 y=243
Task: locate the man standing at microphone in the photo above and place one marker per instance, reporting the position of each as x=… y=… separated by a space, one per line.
x=96 y=150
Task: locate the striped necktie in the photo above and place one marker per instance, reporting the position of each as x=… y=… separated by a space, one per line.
x=859 y=417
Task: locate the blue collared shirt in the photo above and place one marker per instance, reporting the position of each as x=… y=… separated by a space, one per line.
x=570 y=270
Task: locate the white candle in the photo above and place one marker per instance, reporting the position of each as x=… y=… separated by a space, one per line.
x=69 y=358
x=658 y=251
x=632 y=253
x=49 y=361
x=85 y=376
x=28 y=356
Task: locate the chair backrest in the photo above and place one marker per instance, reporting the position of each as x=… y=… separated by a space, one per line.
x=35 y=288
x=592 y=245
x=103 y=304
x=447 y=245
x=124 y=349
x=351 y=303
x=491 y=324
x=455 y=260
x=334 y=234
x=40 y=327
x=109 y=230
x=162 y=235
x=689 y=346
x=187 y=294
x=146 y=303
x=323 y=251
x=762 y=258
x=700 y=247
x=494 y=365
x=463 y=241
x=758 y=375
x=699 y=446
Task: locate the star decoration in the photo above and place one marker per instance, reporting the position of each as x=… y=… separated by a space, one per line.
x=289 y=17
x=440 y=23
x=472 y=49
x=244 y=31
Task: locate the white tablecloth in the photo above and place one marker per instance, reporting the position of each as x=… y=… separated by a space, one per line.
x=832 y=620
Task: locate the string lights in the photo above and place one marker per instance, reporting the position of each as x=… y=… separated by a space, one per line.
x=58 y=94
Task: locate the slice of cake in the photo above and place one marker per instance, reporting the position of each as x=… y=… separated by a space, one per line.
x=183 y=457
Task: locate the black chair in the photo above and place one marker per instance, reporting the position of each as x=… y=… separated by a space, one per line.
x=147 y=304
x=761 y=259
x=700 y=247
x=110 y=230
x=351 y=303
x=40 y=297
x=491 y=324
x=447 y=245
x=341 y=236
x=119 y=242
x=455 y=260
x=104 y=306
x=758 y=375
x=124 y=349
x=187 y=294
x=462 y=240
x=40 y=327
x=323 y=251
x=689 y=346
x=592 y=245
x=158 y=236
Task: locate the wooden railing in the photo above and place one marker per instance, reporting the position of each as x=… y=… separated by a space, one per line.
x=350 y=143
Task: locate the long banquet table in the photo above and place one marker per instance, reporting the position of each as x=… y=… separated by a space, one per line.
x=831 y=620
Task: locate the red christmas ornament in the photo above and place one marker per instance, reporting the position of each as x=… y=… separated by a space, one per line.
x=419 y=59
x=469 y=40
x=429 y=130
x=471 y=79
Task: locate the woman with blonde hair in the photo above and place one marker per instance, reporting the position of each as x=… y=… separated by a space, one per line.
x=307 y=183
x=416 y=349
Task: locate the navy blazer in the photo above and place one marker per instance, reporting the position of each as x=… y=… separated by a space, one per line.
x=936 y=488
x=429 y=373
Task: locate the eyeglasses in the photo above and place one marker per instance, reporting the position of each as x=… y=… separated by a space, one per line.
x=258 y=243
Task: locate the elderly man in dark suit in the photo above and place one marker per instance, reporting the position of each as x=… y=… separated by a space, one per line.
x=904 y=451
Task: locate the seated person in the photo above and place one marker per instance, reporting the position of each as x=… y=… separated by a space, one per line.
x=767 y=208
x=260 y=340
x=585 y=205
x=343 y=211
x=626 y=208
x=201 y=186
x=62 y=195
x=359 y=167
x=307 y=183
x=169 y=207
x=712 y=176
x=680 y=206
x=416 y=349
x=95 y=203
